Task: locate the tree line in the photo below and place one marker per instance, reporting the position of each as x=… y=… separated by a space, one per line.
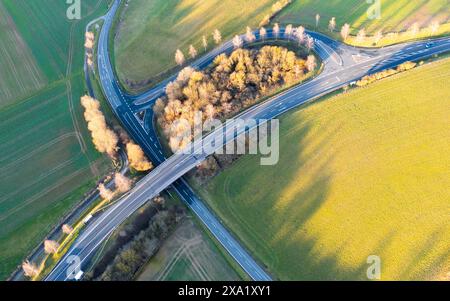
x=137 y=241
x=233 y=82
x=368 y=79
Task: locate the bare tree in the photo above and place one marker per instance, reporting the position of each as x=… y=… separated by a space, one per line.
x=309 y=43
x=361 y=35
x=249 y=35
x=317 y=20
x=89 y=40
x=262 y=33
x=179 y=57
x=345 y=31
x=66 y=229
x=217 y=36
x=204 y=42
x=105 y=193
x=158 y=107
x=332 y=24
x=378 y=36
x=288 y=30
x=51 y=246
x=137 y=158
x=434 y=27
x=89 y=44
x=89 y=35
x=90 y=59
x=123 y=184
x=30 y=269
x=276 y=30
x=300 y=34
x=311 y=63
x=237 y=42
x=192 y=51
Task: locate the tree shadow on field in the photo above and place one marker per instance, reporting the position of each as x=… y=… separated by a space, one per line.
x=281 y=205
x=300 y=195
x=185 y=20
x=437 y=264
x=289 y=196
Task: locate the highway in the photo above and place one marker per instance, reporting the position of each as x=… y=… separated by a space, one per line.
x=343 y=65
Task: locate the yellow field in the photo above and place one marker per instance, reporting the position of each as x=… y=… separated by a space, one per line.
x=152 y=31
x=363 y=173
x=394 y=16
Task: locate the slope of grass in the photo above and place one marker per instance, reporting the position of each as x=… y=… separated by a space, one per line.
x=361 y=173
x=47 y=160
x=396 y=15
x=151 y=31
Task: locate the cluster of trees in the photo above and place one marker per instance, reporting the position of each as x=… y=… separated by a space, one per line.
x=51 y=246
x=142 y=247
x=122 y=184
x=104 y=139
x=232 y=83
x=30 y=269
x=106 y=193
x=136 y=157
x=66 y=229
x=368 y=79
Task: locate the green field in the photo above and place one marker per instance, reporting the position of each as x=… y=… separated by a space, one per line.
x=151 y=31
x=361 y=173
x=47 y=161
x=396 y=15
x=20 y=73
x=188 y=255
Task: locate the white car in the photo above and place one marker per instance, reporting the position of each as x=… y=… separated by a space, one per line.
x=78 y=275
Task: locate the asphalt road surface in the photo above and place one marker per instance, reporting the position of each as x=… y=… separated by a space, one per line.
x=343 y=65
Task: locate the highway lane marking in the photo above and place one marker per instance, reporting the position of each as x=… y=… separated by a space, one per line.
x=204 y=214
x=95 y=224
